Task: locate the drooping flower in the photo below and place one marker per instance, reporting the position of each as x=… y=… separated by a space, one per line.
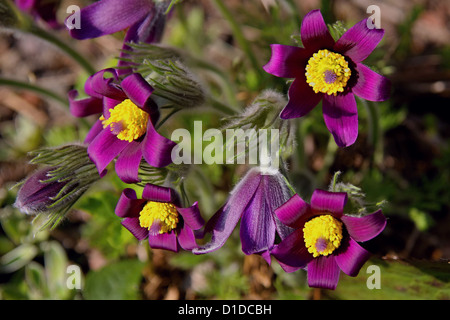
x=253 y=201
x=160 y=217
x=332 y=72
x=44 y=10
x=126 y=127
x=325 y=239
x=144 y=21
x=141 y=18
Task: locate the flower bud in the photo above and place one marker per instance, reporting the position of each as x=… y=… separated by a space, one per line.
x=36 y=195
x=53 y=190
x=263 y=114
x=174 y=82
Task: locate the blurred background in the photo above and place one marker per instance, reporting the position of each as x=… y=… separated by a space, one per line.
x=402 y=157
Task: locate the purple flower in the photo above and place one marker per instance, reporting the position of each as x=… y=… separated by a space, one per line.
x=126 y=128
x=160 y=217
x=144 y=21
x=325 y=240
x=42 y=9
x=37 y=196
x=141 y=18
x=254 y=201
x=332 y=72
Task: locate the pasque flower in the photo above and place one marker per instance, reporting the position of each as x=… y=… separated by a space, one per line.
x=253 y=201
x=325 y=239
x=126 y=127
x=160 y=217
x=41 y=9
x=332 y=72
x=144 y=21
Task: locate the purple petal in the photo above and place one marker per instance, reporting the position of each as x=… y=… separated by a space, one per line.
x=93 y=132
x=366 y=227
x=302 y=99
x=223 y=222
x=186 y=238
x=286 y=61
x=84 y=107
x=323 y=272
x=257 y=225
x=276 y=194
x=292 y=252
x=341 y=118
x=156 y=193
x=109 y=16
x=137 y=89
x=99 y=86
x=47 y=12
x=34 y=196
x=351 y=257
x=266 y=256
x=327 y=201
x=129 y=205
x=371 y=85
x=314 y=32
x=150 y=28
x=132 y=224
x=192 y=216
x=293 y=212
x=166 y=241
x=108 y=104
x=359 y=41
x=156 y=149
x=287 y=268
x=25 y=5
x=127 y=164
x=104 y=148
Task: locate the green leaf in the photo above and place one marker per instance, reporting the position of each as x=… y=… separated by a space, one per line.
x=422 y=220
x=104 y=230
x=18 y=257
x=36 y=281
x=399 y=280
x=117 y=281
x=55 y=269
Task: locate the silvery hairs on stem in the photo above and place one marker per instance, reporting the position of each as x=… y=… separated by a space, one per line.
x=263 y=114
x=165 y=70
x=50 y=192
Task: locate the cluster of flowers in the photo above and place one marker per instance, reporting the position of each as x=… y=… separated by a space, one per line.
x=275 y=222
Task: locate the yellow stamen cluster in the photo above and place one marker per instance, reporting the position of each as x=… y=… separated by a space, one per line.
x=322 y=235
x=163 y=213
x=327 y=72
x=127 y=121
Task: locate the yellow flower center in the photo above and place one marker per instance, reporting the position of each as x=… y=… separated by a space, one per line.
x=127 y=121
x=322 y=235
x=160 y=215
x=327 y=72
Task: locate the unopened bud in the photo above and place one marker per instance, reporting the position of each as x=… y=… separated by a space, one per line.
x=174 y=82
x=263 y=113
x=53 y=190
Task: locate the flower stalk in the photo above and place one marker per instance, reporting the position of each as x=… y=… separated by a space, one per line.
x=240 y=38
x=34 y=88
x=75 y=55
